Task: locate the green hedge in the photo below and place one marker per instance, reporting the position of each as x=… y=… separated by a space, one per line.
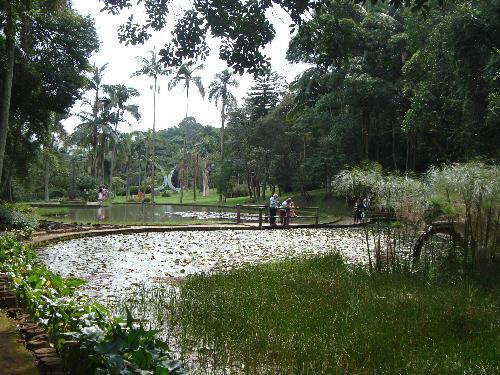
x=17 y=217
x=99 y=344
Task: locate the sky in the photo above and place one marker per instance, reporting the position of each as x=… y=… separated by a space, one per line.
x=171 y=105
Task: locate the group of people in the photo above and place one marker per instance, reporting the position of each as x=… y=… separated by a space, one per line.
x=286 y=210
x=360 y=208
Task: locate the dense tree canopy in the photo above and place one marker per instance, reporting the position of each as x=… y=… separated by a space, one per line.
x=51 y=58
x=242 y=26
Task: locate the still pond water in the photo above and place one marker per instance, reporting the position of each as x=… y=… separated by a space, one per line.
x=148 y=213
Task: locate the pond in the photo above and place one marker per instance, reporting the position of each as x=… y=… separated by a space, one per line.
x=114 y=264
x=148 y=213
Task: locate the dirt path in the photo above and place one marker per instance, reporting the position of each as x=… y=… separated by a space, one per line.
x=15 y=359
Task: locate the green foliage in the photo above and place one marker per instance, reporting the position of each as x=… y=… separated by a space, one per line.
x=319 y=315
x=465 y=195
x=17 y=217
x=105 y=346
x=217 y=19
x=49 y=75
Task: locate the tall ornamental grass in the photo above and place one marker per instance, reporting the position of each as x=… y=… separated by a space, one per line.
x=464 y=196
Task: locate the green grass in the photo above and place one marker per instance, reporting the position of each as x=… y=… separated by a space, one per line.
x=319 y=316
x=44 y=212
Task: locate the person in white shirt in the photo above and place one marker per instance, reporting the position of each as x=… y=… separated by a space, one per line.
x=273 y=204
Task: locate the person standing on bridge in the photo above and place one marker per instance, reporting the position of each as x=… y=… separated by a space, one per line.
x=273 y=204
x=285 y=212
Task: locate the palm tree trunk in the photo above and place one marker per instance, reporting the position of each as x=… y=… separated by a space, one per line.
x=187 y=98
x=95 y=136
x=153 y=148
x=223 y=119
x=112 y=169
x=7 y=84
x=103 y=150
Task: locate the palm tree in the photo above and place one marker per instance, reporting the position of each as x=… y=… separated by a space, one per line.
x=185 y=75
x=115 y=108
x=219 y=92
x=152 y=68
x=94 y=83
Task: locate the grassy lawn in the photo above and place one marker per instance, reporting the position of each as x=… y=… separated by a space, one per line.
x=319 y=316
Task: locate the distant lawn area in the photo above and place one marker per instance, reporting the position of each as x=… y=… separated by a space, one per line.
x=320 y=316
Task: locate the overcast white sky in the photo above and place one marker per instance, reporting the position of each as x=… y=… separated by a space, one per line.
x=171 y=104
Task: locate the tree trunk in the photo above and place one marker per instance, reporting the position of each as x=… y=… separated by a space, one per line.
x=46 y=182
x=72 y=194
x=153 y=150
x=393 y=145
x=187 y=98
x=365 y=134
x=249 y=184
x=195 y=175
x=205 y=176
x=95 y=136
x=223 y=120
x=127 y=186
x=11 y=194
x=7 y=84
x=112 y=169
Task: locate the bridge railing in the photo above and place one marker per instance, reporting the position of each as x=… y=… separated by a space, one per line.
x=261 y=215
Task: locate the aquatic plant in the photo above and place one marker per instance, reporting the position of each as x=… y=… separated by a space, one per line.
x=317 y=315
x=104 y=345
x=465 y=196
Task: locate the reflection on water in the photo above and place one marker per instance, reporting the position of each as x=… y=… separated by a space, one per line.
x=146 y=213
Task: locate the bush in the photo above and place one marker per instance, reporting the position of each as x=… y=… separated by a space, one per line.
x=238 y=191
x=166 y=193
x=12 y=218
x=134 y=189
x=57 y=193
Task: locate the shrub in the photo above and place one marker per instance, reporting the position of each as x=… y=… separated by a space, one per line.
x=21 y=219
x=166 y=193
x=57 y=192
x=238 y=191
x=105 y=345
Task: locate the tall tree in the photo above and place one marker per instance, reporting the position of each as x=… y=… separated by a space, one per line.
x=95 y=83
x=15 y=20
x=152 y=68
x=185 y=75
x=220 y=93
x=115 y=111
